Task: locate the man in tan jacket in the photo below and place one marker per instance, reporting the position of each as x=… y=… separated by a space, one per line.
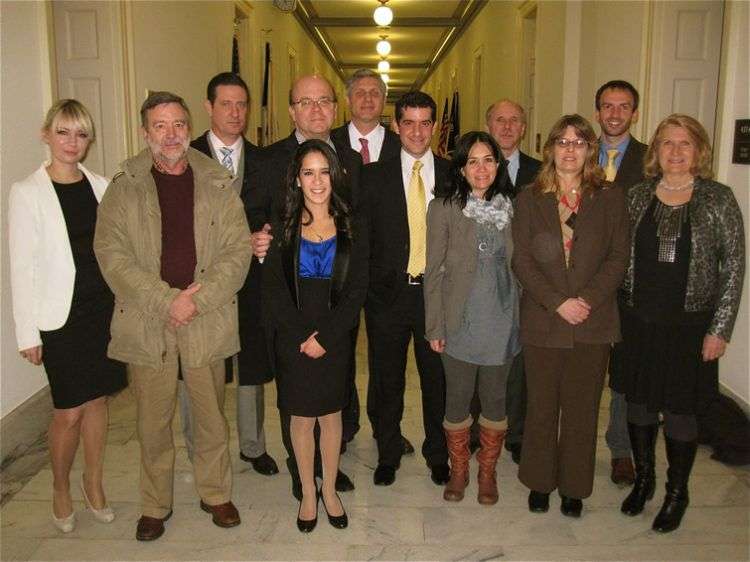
x=173 y=244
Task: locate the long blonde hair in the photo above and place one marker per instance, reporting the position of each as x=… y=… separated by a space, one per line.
x=592 y=177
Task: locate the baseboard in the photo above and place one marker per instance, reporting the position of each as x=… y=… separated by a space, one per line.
x=24 y=426
x=726 y=391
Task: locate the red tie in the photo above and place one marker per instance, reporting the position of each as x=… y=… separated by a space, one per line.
x=364 y=151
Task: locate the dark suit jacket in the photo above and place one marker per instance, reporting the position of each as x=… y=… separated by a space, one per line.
x=250 y=153
x=528 y=168
x=630 y=171
x=598 y=259
x=265 y=201
x=391 y=142
x=389 y=227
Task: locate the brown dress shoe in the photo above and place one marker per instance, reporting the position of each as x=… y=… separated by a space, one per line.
x=223 y=515
x=623 y=473
x=150 y=528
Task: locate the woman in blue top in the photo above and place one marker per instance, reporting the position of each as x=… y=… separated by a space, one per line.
x=314 y=286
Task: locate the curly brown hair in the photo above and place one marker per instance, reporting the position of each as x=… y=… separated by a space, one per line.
x=701 y=166
x=592 y=177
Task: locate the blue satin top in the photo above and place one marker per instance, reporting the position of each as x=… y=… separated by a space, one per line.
x=316 y=258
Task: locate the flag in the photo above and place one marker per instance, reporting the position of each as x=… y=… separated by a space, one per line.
x=442 y=148
x=235 y=55
x=266 y=136
x=455 y=126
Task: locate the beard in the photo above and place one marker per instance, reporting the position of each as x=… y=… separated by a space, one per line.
x=173 y=156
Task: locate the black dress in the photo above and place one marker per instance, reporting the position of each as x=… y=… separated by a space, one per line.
x=75 y=355
x=659 y=361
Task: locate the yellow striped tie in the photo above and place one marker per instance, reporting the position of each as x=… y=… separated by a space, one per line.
x=417 y=215
x=610 y=169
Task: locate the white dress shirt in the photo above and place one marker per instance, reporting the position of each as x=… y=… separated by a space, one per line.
x=427 y=172
x=217 y=145
x=514 y=163
x=374 y=138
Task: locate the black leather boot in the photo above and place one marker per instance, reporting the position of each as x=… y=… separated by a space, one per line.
x=680 y=455
x=643 y=444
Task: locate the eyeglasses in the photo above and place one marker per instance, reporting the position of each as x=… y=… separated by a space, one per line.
x=575 y=143
x=308 y=103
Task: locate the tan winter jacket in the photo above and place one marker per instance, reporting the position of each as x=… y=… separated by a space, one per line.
x=127 y=244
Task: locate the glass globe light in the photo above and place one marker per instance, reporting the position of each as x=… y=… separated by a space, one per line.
x=385 y=78
x=383 y=16
x=383 y=48
x=384 y=66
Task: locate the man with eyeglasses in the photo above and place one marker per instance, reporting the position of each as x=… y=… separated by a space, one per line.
x=621 y=156
x=506 y=123
x=365 y=94
x=312 y=108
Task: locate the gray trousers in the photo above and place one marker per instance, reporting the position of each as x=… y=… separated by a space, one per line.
x=461 y=378
x=617 y=436
x=250 y=415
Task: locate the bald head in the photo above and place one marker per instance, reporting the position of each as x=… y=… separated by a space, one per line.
x=312 y=106
x=506 y=122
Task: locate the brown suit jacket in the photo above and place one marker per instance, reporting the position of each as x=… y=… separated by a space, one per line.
x=598 y=259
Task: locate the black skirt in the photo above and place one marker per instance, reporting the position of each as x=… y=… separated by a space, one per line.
x=312 y=387
x=660 y=365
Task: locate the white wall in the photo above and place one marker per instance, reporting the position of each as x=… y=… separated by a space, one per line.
x=734 y=102
x=26 y=94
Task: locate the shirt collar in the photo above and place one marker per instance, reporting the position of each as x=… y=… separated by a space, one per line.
x=300 y=139
x=217 y=144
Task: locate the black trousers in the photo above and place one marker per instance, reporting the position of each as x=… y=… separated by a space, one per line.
x=389 y=332
x=350 y=414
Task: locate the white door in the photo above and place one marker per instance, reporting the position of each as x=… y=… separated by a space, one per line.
x=89 y=68
x=684 y=76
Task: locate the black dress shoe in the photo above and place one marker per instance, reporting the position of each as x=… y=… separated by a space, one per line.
x=440 y=473
x=538 y=502
x=307 y=525
x=338 y=521
x=343 y=482
x=515 y=451
x=384 y=475
x=408 y=447
x=262 y=464
x=570 y=507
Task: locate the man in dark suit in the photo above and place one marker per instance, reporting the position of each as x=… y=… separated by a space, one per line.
x=621 y=157
x=312 y=108
x=398 y=192
x=506 y=122
x=226 y=103
x=365 y=94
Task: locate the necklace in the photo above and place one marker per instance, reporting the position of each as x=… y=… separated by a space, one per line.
x=683 y=187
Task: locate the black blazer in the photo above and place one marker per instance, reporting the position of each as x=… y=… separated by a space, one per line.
x=281 y=299
x=630 y=171
x=391 y=142
x=528 y=168
x=264 y=203
x=389 y=226
x=251 y=152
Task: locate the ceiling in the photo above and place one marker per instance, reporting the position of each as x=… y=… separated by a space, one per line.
x=421 y=33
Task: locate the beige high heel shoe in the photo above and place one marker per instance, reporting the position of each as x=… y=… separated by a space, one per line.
x=103 y=515
x=66 y=524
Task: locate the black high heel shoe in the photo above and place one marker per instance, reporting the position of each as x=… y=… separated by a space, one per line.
x=307 y=525
x=338 y=521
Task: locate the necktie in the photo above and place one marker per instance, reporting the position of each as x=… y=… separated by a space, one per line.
x=365 y=151
x=417 y=215
x=226 y=158
x=610 y=170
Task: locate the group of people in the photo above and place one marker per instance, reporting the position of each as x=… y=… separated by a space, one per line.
x=520 y=284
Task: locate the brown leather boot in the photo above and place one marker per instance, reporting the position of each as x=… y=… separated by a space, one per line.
x=458 y=450
x=491 y=441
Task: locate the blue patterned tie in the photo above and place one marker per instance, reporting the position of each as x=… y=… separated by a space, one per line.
x=226 y=158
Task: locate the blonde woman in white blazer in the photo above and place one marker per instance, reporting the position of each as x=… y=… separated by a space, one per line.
x=62 y=306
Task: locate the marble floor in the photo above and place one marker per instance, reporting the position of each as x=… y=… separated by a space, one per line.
x=407 y=521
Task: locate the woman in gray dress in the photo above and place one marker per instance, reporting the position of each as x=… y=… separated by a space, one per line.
x=471 y=305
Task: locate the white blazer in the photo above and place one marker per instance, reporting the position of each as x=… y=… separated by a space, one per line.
x=42 y=271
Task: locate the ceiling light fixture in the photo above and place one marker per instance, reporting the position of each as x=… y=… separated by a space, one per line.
x=383 y=47
x=384 y=66
x=383 y=15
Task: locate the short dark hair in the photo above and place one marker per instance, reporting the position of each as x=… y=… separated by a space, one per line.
x=159 y=98
x=617 y=85
x=225 y=79
x=415 y=98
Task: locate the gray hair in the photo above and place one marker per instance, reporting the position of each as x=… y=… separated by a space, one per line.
x=159 y=98
x=364 y=73
x=488 y=113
